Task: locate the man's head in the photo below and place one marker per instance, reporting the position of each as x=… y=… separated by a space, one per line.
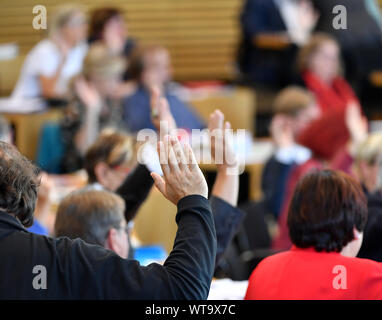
x=328 y=212
x=18 y=184
x=151 y=66
x=368 y=161
x=296 y=107
x=109 y=159
x=97 y=217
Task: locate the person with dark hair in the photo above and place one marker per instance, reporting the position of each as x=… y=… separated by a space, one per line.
x=326 y=220
x=76 y=270
x=108 y=27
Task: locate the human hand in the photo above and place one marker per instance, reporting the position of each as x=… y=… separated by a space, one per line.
x=88 y=94
x=181 y=174
x=161 y=115
x=356 y=123
x=221 y=142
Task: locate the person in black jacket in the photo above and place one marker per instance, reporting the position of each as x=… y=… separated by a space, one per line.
x=39 y=267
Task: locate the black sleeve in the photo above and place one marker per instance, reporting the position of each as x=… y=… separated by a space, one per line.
x=96 y=273
x=227 y=220
x=135 y=189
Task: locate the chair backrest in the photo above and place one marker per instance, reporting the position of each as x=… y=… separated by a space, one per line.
x=238 y=106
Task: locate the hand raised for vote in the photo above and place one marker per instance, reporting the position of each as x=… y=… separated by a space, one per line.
x=221 y=142
x=160 y=113
x=181 y=174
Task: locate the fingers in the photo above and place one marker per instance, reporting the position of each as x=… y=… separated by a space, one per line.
x=163 y=159
x=179 y=153
x=159 y=183
x=216 y=120
x=191 y=160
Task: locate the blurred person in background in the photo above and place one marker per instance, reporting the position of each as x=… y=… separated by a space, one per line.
x=272 y=30
x=326 y=219
x=360 y=42
x=319 y=66
x=333 y=139
x=369 y=161
x=151 y=67
x=50 y=65
x=294 y=108
x=93 y=105
x=108 y=26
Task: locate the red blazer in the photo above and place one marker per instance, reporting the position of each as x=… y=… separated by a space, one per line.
x=304 y=274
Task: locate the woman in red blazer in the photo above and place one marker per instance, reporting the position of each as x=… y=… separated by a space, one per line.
x=319 y=66
x=326 y=219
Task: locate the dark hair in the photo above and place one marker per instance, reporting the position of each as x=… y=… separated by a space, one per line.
x=18 y=184
x=326 y=206
x=89 y=214
x=99 y=18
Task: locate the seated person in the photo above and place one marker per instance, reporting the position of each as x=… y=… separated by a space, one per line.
x=77 y=270
x=294 y=108
x=93 y=105
x=367 y=161
x=368 y=166
x=326 y=219
x=332 y=139
x=360 y=42
x=51 y=64
x=319 y=66
x=108 y=26
x=271 y=30
x=151 y=67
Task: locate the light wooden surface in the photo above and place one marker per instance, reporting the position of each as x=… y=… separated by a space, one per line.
x=28 y=127
x=237 y=104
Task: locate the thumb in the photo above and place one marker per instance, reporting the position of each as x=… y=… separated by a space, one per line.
x=159 y=183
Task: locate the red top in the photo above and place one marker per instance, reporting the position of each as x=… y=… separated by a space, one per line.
x=330 y=98
x=304 y=274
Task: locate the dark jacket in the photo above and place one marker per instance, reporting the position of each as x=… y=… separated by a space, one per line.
x=372 y=236
x=137 y=112
x=261 y=65
x=136 y=187
x=76 y=270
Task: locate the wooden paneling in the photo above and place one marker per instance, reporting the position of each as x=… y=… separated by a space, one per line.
x=201 y=35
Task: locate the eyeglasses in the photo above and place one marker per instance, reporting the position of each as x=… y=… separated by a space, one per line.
x=127 y=228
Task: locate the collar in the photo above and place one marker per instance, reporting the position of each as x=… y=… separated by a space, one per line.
x=10 y=222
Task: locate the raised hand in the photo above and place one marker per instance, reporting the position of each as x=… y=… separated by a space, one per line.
x=221 y=143
x=88 y=95
x=181 y=174
x=160 y=113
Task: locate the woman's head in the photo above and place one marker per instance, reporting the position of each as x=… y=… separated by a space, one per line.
x=108 y=25
x=103 y=69
x=69 y=23
x=110 y=158
x=328 y=212
x=368 y=161
x=321 y=56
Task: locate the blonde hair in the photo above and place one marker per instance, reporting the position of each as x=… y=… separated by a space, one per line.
x=370 y=150
x=291 y=100
x=102 y=63
x=62 y=15
x=307 y=51
x=112 y=147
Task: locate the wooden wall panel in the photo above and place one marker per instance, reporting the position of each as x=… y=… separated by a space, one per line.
x=201 y=35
